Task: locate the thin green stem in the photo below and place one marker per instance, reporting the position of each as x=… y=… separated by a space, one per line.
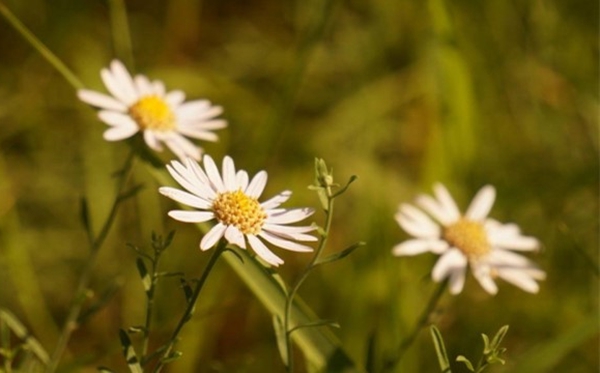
x=187 y=315
x=149 y=308
x=421 y=322
x=120 y=31
x=40 y=47
x=294 y=290
x=71 y=323
x=7 y=354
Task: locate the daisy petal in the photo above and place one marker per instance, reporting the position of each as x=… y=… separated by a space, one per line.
x=262 y=251
x=101 y=101
x=174 y=98
x=214 y=235
x=241 y=178
x=119 y=133
x=191 y=216
x=277 y=200
x=229 y=178
x=151 y=140
x=416 y=229
x=483 y=276
x=257 y=185
x=412 y=247
x=234 y=236
x=290 y=216
x=482 y=204
x=449 y=262
x=520 y=243
x=116 y=119
x=520 y=279
x=457 y=280
x=185 y=198
x=213 y=173
x=448 y=205
x=285 y=244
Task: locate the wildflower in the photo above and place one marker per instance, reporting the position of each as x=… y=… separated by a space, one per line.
x=471 y=239
x=138 y=104
x=232 y=200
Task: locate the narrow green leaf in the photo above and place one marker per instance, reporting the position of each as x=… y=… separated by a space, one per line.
x=172 y=357
x=462 y=359
x=131 y=192
x=131 y=357
x=495 y=360
x=499 y=337
x=340 y=254
x=104 y=370
x=440 y=349
x=169 y=239
x=487 y=346
x=352 y=179
x=187 y=290
x=21 y=332
x=84 y=215
x=144 y=275
x=317 y=323
x=371 y=358
x=281 y=340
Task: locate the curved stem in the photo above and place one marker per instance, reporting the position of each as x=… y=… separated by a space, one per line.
x=290 y=298
x=40 y=47
x=421 y=322
x=70 y=323
x=191 y=304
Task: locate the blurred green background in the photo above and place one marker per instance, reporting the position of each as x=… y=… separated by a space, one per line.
x=400 y=93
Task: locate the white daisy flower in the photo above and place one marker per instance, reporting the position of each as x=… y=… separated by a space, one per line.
x=232 y=200
x=138 y=104
x=471 y=239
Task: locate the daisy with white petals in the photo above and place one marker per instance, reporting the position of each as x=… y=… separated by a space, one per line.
x=138 y=104
x=231 y=199
x=472 y=239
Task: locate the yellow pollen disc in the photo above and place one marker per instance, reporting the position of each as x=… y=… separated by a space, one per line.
x=239 y=210
x=469 y=237
x=153 y=113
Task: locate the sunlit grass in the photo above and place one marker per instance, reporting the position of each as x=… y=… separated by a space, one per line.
x=401 y=94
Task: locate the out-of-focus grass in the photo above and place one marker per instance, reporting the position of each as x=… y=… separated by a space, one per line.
x=399 y=93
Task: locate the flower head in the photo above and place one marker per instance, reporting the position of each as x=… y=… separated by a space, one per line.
x=138 y=104
x=231 y=199
x=471 y=239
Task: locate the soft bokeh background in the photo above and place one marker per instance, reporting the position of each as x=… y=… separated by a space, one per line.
x=400 y=93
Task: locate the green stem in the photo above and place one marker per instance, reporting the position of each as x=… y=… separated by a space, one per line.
x=40 y=47
x=120 y=31
x=70 y=323
x=421 y=322
x=191 y=304
x=149 y=309
x=290 y=299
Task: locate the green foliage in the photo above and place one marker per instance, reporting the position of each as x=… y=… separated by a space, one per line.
x=401 y=93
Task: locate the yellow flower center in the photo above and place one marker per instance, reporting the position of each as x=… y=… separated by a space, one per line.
x=153 y=113
x=469 y=237
x=239 y=210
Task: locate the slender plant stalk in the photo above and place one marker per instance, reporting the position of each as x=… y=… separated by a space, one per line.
x=421 y=322
x=40 y=47
x=120 y=31
x=290 y=299
x=70 y=323
x=191 y=304
x=149 y=309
